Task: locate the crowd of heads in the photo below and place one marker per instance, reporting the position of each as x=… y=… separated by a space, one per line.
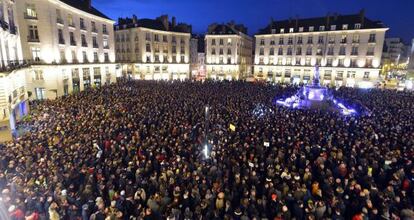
x=136 y=150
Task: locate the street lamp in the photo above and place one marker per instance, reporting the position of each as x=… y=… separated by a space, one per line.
x=206 y=125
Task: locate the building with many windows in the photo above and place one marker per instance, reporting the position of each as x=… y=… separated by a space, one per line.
x=69 y=45
x=228 y=52
x=347 y=48
x=13 y=95
x=395 y=51
x=153 y=49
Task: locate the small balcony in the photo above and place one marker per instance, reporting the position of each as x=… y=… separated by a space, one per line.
x=72 y=25
x=59 y=21
x=30 y=16
x=13 y=30
x=372 y=40
x=4 y=25
x=32 y=39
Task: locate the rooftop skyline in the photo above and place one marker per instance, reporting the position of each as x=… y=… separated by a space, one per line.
x=257 y=14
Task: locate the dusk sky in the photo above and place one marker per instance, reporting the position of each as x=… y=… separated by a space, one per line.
x=255 y=14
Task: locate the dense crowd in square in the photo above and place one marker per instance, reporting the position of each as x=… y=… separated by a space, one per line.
x=134 y=150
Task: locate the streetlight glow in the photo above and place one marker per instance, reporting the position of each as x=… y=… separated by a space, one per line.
x=206 y=151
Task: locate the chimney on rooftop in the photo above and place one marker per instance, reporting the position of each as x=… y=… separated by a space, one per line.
x=211 y=27
x=134 y=19
x=164 y=21
x=174 y=22
x=328 y=19
x=362 y=16
x=88 y=3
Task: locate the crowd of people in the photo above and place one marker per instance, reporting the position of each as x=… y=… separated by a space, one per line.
x=136 y=150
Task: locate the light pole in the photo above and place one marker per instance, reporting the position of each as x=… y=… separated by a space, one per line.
x=206 y=126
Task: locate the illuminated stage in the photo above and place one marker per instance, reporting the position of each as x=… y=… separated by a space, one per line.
x=315 y=96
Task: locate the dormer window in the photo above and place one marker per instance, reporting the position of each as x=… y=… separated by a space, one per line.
x=358 y=26
x=322 y=28
x=333 y=27
x=273 y=31
x=290 y=30
x=282 y=30
x=300 y=29
x=345 y=27
x=311 y=28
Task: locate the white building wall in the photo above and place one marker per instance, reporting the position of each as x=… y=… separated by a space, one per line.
x=131 y=50
x=218 y=65
x=268 y=66
x=46 y=21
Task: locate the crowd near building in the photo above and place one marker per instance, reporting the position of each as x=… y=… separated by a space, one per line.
x=53 y=48
x=153 y=49
x=50 y=49
x=347 y=49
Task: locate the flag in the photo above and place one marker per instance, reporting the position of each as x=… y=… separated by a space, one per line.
x=232 y=127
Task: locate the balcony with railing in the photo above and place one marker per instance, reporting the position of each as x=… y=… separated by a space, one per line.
x=4 y=25
x=370 y=53
x=59 y=20
x=30 y=16
x=33 y=39
x=13 y=30
x=10 y=65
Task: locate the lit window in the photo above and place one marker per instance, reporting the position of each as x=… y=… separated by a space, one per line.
x=358 y=26
x=333 y=27
x=345 y=27
x=311 y=28
x=282 y=30
x=30 y=11
x=321 y=28
x=291 y=30
x=300 y=29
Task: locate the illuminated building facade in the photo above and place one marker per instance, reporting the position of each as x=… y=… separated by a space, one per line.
x=68 y=44
x=153 y=49
x=347 y=48
x=228 y=51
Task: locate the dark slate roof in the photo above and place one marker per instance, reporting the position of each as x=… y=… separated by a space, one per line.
x=83 y=5
x=326 y=21
x=155 y=24
x=225 y=29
